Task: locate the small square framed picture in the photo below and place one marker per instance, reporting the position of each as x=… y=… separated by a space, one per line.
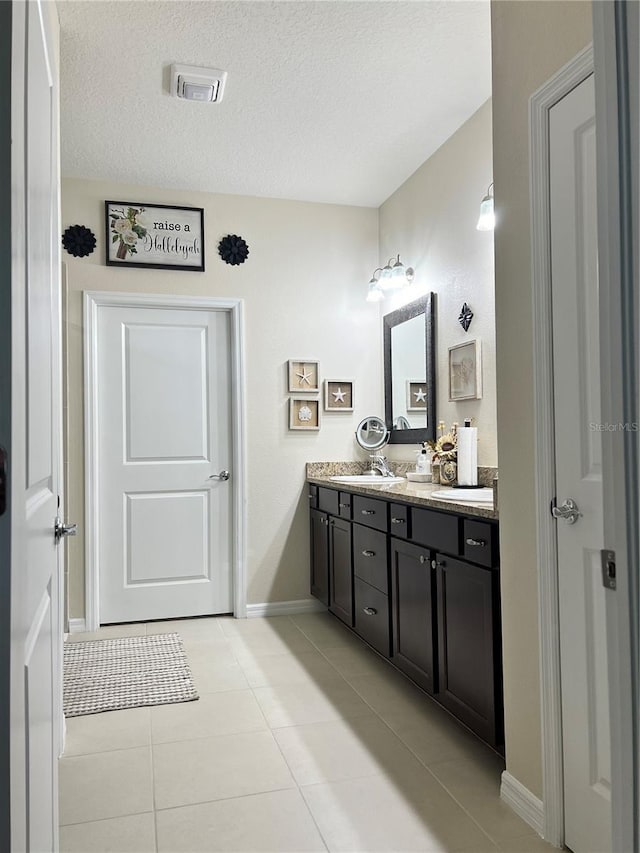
x=338 y=395
x=303 y=375
x=416 y=395
x=465 y=371
x=304 y=413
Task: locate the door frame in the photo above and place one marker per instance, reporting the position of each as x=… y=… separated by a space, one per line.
x=540 y=104
x=93 y=301
x=616 y=47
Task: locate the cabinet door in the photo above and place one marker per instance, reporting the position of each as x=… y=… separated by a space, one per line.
x=340 y=570
x=320 y=555
x=468 y=644
x=412 y=584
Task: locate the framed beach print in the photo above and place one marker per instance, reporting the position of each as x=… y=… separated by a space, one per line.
x=338 y=395
x=416 y=395
x=304 y=413
x=303 y=375
x=465 y=371
x=148 y=235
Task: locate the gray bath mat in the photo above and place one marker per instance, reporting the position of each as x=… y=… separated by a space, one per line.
x=109 y=675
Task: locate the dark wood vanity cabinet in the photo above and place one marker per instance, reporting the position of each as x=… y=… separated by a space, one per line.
x=412 y=596
x=422 y=587
x=469 y=645
x=319 y=537
x=340 y=570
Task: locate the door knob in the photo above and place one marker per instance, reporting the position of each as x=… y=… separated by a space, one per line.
x=60 y=529
x=224 y=475
x=568 y=510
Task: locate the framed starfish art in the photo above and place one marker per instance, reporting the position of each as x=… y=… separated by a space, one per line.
x=338 y=395
x=416 y=395
x=304 y=375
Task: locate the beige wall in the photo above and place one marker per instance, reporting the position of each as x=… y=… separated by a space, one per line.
x=531 y=41
x=431 y=220
x=304 y=288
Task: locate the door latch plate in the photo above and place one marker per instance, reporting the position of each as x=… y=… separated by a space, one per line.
x=608 y=559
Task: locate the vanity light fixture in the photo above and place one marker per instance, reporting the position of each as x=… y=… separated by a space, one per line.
x=375 y=292
x=393 y=276
x=487 y=220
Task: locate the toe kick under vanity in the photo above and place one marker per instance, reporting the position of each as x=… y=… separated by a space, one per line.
x=418 y=580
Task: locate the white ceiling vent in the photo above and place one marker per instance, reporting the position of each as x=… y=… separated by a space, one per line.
x=198 y=84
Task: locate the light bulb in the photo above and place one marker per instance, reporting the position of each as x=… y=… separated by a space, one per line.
x=487 y=220
x=374 y=293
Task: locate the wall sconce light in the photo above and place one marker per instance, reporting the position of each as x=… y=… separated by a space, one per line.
x=393 y=276
x=487 y=220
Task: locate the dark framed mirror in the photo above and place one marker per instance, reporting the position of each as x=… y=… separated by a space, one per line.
x=410 y=372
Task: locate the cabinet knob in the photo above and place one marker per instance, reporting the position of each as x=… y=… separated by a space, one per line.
x=423 y=559
x=397 y=521
x=370 y=611
x=368 y=511
x=368 y=553
x=311 y=497
x=476 y=543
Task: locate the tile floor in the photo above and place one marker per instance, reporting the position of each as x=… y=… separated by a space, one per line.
x=302 y=740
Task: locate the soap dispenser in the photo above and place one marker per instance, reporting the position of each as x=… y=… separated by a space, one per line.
x=423 y=465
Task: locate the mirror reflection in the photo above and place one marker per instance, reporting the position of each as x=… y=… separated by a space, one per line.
x=409 y=372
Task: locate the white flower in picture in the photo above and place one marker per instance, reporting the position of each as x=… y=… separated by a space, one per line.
x=305 y=414
x=143 y=221
x=121 y=225
x=129 y=237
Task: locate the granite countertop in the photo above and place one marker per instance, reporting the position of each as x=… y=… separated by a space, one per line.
x=417 y=494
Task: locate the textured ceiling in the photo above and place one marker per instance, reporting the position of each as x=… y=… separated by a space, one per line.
x=325 y=101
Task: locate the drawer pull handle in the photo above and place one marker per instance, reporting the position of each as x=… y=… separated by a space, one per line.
x=344 y=506
x=370 y=611
x=368 y=511
x=397 y=521
x=423 y=559
x=368 y=553
x=477 y=543
x=311 y=497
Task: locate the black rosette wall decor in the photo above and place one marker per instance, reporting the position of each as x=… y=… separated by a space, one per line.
x=79 y=241
x=233 y=250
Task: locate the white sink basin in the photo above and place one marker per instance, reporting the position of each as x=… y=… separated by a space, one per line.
x=475 y=496
x=366 y=479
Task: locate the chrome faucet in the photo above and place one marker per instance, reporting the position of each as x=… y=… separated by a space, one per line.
x=379 y=463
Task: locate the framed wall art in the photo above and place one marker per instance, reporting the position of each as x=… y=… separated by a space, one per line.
x=304 y=413
x=303 y=375
x=416 y=395
x=465 y=371
x=338 y=395
x=148 y=235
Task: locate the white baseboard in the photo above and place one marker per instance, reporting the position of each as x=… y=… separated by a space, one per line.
x=77 y=626
x=525 y=804
x=284 y=608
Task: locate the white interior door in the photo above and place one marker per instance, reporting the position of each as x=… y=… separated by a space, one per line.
x=36 y=637
x=164 y=430
x=576 y=358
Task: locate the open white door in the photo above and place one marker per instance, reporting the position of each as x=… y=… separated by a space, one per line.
x=578 y=454
x=36 y=638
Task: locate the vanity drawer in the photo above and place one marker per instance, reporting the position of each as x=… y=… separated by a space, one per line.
x=370 y=556
x=480 y=542
x=328 y=500
x=436 y=530
x=312 y=494
x=372 y=616
x=370 y=511
x=399 y=520
x=344 y=504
